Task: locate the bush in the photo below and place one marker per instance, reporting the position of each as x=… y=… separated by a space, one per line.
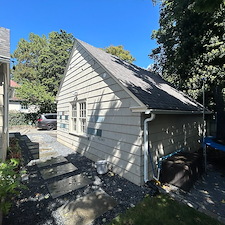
x=14 y=150
x=10 y=175
x=22 y=118
x=9 y=183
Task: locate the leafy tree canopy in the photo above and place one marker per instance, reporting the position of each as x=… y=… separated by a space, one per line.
x=40 y=64
x=201 y=5
x=120 y=52
x=191 y=48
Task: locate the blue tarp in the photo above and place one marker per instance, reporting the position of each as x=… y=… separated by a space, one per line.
x=210 y=141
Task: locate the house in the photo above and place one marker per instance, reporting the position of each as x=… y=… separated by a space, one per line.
x=4 y=85
x=113 y=110
x=16 y=104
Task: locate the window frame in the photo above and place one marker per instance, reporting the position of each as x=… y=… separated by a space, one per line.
x=24 y=107
x=78 y=117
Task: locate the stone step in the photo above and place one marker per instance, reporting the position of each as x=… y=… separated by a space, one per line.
x=67 y=185
x=85 y=210
x=57 y=171
x=52 y=161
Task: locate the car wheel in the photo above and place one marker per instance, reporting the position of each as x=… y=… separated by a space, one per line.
x=50 y=127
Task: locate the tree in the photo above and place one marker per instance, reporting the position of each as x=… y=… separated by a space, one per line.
x=207 y=5
x=191 y=48
x=37 y=94
x=120 y=52
x=40 y=64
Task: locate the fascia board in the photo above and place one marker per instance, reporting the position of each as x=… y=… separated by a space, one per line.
x=176 y=112
x=164 y=112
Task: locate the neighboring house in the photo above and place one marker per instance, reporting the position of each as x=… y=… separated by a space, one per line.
x=110 y=109
x=4 y=85
x=16 y=104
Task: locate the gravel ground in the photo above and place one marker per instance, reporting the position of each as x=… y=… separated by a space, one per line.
x=35 y=206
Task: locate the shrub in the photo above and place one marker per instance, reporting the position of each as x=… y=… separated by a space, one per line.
x=14 y=150
x=22 y=118
x=9 y=183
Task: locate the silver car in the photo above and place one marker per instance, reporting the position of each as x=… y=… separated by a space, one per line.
x=47 y=121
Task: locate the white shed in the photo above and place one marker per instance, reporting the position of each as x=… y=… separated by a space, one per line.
x=113 y=110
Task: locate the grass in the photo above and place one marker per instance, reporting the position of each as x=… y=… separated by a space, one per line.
x=163 y=210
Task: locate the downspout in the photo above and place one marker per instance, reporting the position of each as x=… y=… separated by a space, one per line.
x=146 y=144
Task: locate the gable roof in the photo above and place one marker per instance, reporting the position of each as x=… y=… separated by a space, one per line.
x=14 y=84
x=148 y=87
x=151 y=89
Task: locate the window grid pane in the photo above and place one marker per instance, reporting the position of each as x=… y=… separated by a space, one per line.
x=82 y=108
x=74 y=111
x=74 y=126
x=74 y=117
x=83 y=125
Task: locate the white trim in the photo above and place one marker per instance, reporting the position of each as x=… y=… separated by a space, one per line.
x=161 y=111
x=4 y=59
x=78 y=130
x=138 y=109
x=165 y=111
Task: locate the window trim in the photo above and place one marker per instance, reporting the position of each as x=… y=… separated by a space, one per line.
x=80 y=117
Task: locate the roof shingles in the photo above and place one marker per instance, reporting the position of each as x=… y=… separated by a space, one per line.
x=149 y=88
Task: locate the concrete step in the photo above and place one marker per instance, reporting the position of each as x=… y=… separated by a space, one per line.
x=85 y=210
x=57 y=171
x=66 y=185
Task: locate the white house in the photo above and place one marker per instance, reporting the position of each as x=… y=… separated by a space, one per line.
x=4 y=86
x=110 y=109
x=16 y=104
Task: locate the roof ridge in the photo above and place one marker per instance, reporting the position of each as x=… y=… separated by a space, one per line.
x=149 y=88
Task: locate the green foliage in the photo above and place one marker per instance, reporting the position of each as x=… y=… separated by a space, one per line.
x=19 y=118
x=9 y=183
x=163 y=210
x=37 y=93
x=201 y=5
x=40 y=64
x=14 y=150
x=207 y=5
x=191 y=47
x=120 y=52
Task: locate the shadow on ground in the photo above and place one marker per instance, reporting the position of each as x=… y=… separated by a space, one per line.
x=68 y=185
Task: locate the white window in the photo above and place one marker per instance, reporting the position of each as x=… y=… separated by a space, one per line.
x=82 y=117
x=78 y=122
x=74 y=117
x=24 y=107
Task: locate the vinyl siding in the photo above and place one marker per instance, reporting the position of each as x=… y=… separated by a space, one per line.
x=169 y=133
x=108 y=110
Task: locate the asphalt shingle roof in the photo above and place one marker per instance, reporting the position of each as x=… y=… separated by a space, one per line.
x=148 y=87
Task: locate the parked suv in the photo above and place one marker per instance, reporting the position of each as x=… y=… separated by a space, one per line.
x=47 y=121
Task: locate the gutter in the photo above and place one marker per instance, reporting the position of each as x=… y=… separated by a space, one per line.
x=146 y=144
x=171 y=112
x=176 y=112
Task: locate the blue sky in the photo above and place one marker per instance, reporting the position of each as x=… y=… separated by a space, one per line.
x=98 y=22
